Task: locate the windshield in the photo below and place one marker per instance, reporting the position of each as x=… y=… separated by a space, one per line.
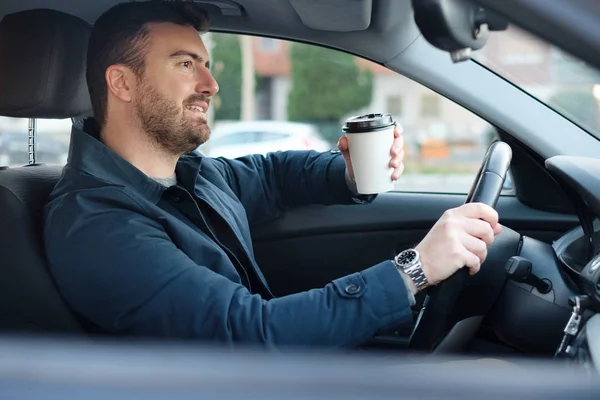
x=568 y=85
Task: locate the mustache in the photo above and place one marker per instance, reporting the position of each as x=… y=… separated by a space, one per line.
x=196 y=98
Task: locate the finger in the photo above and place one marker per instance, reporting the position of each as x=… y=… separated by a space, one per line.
x=398 y=130
x=343 y=144
x=398 y=172
x=397 y=160
x=497 y=229
x=481 y=211
x=475 y=246
x=478 y=229
x=397 y=146
x=472 y=262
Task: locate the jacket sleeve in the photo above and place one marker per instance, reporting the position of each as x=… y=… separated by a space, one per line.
x=120 y=270
x=266 y=186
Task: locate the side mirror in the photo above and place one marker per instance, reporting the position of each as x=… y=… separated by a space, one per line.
x=456 y=26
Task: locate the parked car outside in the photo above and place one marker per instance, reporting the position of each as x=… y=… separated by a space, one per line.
x=238 y=139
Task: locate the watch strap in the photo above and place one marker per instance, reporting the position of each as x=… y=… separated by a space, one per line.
x=414 y=270
x=418 y=276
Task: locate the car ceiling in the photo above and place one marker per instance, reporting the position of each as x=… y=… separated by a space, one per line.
x=390 y=22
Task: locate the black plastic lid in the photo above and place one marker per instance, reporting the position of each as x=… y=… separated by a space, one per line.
x=368 y=123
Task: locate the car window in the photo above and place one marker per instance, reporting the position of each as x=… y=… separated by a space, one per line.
x=563 y=82
x=51 y=141
x=308 y=92
x=301 y=95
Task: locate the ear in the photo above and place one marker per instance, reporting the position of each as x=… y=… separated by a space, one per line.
x=120 y=82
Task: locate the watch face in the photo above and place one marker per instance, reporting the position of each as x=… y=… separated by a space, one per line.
x=407 y=257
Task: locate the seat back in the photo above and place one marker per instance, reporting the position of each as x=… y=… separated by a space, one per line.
x=29 y=300
x=42 y=75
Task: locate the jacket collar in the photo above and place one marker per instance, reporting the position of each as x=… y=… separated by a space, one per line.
x=88 y=154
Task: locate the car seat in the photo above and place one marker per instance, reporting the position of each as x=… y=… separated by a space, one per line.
x=42 y=75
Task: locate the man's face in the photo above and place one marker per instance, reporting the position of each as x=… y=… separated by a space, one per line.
x=173 y=94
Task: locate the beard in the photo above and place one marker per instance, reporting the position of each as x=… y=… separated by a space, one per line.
x=166 y=123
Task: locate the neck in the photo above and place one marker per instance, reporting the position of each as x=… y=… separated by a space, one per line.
x=133 y=144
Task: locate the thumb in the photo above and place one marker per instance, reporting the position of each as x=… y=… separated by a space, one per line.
x=343 y=147
x=343 y=144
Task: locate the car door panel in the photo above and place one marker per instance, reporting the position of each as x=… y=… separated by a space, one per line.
x=321 y=243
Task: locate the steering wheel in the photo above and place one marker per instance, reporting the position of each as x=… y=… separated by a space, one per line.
x=433 y=321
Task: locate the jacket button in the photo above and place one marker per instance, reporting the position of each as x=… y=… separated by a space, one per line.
x=352 y=289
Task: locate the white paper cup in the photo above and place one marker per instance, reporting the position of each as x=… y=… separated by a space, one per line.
x=370 y=139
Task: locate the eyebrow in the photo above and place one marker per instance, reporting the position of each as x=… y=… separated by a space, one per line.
x=194 y=56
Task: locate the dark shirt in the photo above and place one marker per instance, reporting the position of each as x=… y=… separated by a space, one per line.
x=135 y=258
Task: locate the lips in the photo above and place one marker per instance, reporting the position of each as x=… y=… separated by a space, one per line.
x=200 y=106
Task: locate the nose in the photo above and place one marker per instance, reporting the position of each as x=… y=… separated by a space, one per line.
x=207 y=84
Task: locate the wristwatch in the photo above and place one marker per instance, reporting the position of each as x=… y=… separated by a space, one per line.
x=409 y=262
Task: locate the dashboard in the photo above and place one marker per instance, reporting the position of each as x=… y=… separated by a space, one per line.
x=543 y=281
x=578 y=251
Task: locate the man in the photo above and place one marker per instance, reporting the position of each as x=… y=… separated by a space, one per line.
x=145 y=239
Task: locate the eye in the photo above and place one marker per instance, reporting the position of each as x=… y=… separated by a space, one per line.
x=186 y=64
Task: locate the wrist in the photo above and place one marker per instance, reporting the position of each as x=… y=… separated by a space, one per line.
x=408 y=262
x=425 y=265
x=409 y=282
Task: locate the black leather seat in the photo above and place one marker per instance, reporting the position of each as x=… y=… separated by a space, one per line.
x=28 y=298
x=42 y=75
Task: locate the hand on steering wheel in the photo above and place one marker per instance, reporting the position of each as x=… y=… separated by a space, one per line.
x=459 y=238
x=443 y=261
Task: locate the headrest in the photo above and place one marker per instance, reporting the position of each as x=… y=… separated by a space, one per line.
x=42 y=65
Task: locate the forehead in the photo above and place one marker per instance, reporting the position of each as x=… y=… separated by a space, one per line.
x=167 y=38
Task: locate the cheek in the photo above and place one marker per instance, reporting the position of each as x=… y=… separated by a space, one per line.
x=175 y=86
x=180 y=92
x=183 y=84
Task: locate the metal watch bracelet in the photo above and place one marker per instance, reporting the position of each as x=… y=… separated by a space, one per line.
x=408 y=261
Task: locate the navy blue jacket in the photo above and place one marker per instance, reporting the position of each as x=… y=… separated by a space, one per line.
x=132 y=257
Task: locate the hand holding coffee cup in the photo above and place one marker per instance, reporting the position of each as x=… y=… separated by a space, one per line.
x=373 y=149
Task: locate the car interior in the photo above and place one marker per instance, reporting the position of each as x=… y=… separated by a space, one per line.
x=43 y=76
x=525 y=294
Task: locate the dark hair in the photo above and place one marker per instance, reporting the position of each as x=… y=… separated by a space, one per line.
x=120 y=36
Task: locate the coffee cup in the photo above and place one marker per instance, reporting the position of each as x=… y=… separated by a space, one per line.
x=370 y=139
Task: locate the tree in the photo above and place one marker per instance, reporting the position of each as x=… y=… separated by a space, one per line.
x=326 y=84
x=579 y=106
x=227 y=70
